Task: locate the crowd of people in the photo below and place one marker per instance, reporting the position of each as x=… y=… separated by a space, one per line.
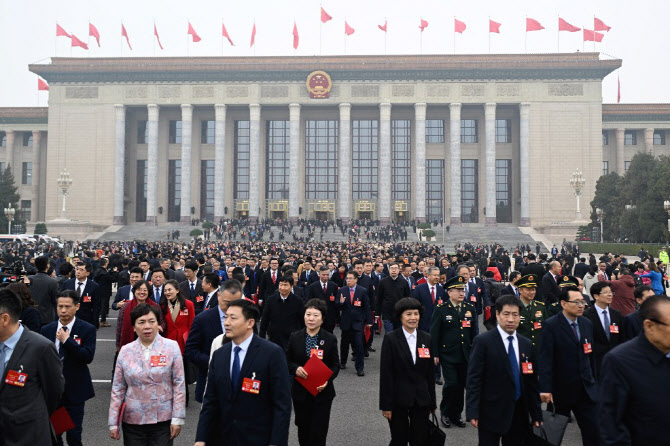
x=254 y=324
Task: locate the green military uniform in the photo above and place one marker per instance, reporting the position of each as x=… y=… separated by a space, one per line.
x=453 y=330
x=532 y=315
x=564 y=281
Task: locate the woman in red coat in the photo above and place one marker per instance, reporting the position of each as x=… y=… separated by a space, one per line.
x=178 y=313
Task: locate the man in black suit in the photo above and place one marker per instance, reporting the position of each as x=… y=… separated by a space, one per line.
x=75 y=342
x=268 y=281
x=581 y=268
x=248 y=395
x=502 y=387
x=158 y=279
x=308 y=276
x=44 y=290
x=430 y=294
x=634 y=391
x=549 y=284
x=125 y=294
x=191 y=288
x=298 y=291
x=511 y=288
x=391 y=289
x=207 y=326
x=632 y=326
x=368 y=280
x=355 y=313
x=31 y=379
x=476 y=291
x=210 y=288
x=607 y=323
x=566 y=364
x=283 y=314
x=326 y=291
x=536 y=269
x=87 y=291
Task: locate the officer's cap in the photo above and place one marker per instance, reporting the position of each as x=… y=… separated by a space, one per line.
x=527 y=281
x=456 y=282
x=566 y=281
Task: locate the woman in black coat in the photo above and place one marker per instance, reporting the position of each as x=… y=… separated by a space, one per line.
x=407 y=377
x=30 y=315
x=312 y=413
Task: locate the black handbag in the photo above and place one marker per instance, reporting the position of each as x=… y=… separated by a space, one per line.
x=552 y=430
x=436 y=436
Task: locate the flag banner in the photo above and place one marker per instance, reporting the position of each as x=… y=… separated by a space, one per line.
x=325 y=17
x=224 y=33
x=348 y=30
x=93 y=32
x=253 y=35
x=124 y=33
x=194 y=35
x=77 y=42
x=61 y=32
x=494 y=27
x=157 y=36
x=592 y=36
x=296 y=37
x=533 y=25
x=42 y=85
x=384 y=26
x=565 y=26
x=599 y=25
x=423 y=25
x=459 y=26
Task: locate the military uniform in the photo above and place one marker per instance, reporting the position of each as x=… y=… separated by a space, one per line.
x=564 y=281
x=453 y=330
x=532 y=316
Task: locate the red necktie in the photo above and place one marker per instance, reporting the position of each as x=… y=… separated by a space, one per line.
x=432 y=293
x=324 y=289
x=274 y=277
x=352 y=295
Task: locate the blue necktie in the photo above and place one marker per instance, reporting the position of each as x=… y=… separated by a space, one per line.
x=192 y=289
x=2 y=360
x=607 y=325
x=235 y=374
x=511 y=354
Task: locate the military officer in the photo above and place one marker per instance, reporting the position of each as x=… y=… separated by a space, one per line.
x=564 y=281
x=533 y=312
x=453 y=328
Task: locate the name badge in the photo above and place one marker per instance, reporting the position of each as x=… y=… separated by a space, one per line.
x=424 y=353
x=587 y=348
x=614 y=329
x=473 y=298
x=199 y=298
x=332 y=298
x=158 y=361
x=183 y=312
x=465 y=324
x=527 y=368
x=15 y=378
x=250 y=385
x=439 y=301
x=316 y=352
x=357 y=303
x=86 y=299
x=77 y=339
x=537 y=325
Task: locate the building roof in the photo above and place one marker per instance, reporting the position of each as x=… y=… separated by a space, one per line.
x=636 y=112
x=296 y=68
x=23 y=115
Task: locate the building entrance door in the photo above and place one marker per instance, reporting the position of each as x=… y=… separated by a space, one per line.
x=321 y=215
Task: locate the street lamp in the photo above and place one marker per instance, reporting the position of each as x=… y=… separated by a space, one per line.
x=9 y=213
x=64 y=182
x=666 y=206
x=599 y=213
x=577 y=182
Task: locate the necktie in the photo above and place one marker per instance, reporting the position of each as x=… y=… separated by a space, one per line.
x=432 y=294
x=61 y=350
x=2 y=360
x=409 y=282
x=352 y=295
x=274 y=277
x=556 y=278
x=192 y=289
x=324 y=289
x=157 y=295
x=235 y=373
x=516 y=290
x=511 y=354
x=607 y=324
x=79 y=289
x=574 y=330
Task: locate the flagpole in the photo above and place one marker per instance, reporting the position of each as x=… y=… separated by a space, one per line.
x=583 y=38
x=558 y=36
x=88 y=39
x=594 y=32
x=320 y=26
x=489 y=34
x=188 y=46
x=525 y=38
x=345 y=36
x=56 y=44
x=154 y=39
x=121 y=39
x=385 y=34
x=221 y=36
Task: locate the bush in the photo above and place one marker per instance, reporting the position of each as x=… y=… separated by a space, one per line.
x=428 y=233
x=40 y=229
x=630 y=249
x=423 y=226
x=207 y=225
x=196 y=233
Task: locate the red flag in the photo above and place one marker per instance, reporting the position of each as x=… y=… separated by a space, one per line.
x=383 y=27
x=224 y=33
x=599 y=25
x=124 y=33
x=618 y=90
x=93 y=32
x=325 y=17
x=565 y=26
x=592 y=36
x=42 y=85
x=61 y=32
x=348 y=30
x=194 y=35
x=423 y=25
x=77 y=42
x=494 y=27
x=459 y=26
x=253 y=35
x=533 y=25
x=157 y=37
x=296 y=37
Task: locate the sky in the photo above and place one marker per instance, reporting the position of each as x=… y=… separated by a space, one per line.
x=640 y=34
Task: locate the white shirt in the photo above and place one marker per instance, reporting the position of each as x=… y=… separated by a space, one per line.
x=83 y=285
x=411 y=340
x=515 y=342
x=602 y=317
x=69 y=330
x=243 y=353
x=209 y=297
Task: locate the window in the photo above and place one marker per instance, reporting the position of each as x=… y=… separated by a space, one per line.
x=435 y=131
x=321 y=160
x=605 y=138
x=434 y=189
x=27 y=139
x=242 y=149
x=469 y=192
x=24 y=211
x=630 y=138
x=504 y=191
x=278 y=169
x=27 y=173
x=364 y=165
x=626 y=165
x=174 y=190
x=504 y=131
x=401 y=167
x=659 y=138
x=469 y=131
x=606 y=167
x=3 y=165
x=142 y=132
x=207 y=190
x=3 y=139
x=141 y=191
x=175 y=132
x=207 y=132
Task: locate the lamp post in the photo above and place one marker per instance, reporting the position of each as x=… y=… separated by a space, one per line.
x=666 y=206
x=9 y=213
x=577 y=182
x=64 y=182
x=599 y=213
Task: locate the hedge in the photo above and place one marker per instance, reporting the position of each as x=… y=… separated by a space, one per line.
x=428 y=233
x=423 y=226
x=630 y=249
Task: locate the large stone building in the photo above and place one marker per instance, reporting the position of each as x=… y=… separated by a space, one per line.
x=483 y=139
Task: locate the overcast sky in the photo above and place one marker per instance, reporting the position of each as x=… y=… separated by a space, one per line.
x=640 y=33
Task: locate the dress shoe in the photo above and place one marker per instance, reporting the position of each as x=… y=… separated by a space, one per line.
x=105 y=324
x=370 y=349
x=367 y=355
x=360 y=373
x=459 y=423
x=445 y=421
x=439 y=381
x=343 y=366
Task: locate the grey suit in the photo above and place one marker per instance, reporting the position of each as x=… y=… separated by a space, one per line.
x=44 y=290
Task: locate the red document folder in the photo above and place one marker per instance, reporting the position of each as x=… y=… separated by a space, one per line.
x=317 y=374
x=120 y=419
x=61 y=421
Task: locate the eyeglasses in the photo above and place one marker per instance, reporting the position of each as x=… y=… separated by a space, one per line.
x=659 y=322
x=579 y=303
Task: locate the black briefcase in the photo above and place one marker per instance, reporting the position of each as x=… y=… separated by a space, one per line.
x=552 y=430
x=436 y=436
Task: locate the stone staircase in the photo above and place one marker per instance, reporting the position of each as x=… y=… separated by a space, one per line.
x=141 y=231
x=506 y=235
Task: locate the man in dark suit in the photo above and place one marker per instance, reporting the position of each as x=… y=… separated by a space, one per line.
x=566 y=364
x=165 y=266
x=248 y=394
x=210 y=287
x=207 y=326
x=44 y=290
x=355 y=313
x=75 y=342
x=634 y=391
x=268 y=281
x=511 y=288
x=283 y=314
x=502 y=390
x=537 y=270
x=191 y=288
x=607 y=323
x=368 y=280
x=87 y=291
x=549 y=285
x=476 y=291
x=158 y=280
x=581 y=268
x=631 y=325
x=406 y=272
x=31 y=379
x=391 y=289
x=125 y=293
x=308 y=276
x=326 y=291
x=430 y=295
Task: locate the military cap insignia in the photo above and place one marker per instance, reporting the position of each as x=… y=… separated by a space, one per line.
x=460 y=279
x=468 y=314
x=531 y=278
x=565 y=278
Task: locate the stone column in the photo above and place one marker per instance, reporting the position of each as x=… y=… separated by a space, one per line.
x=344 y=164
x=9 y=160
x=620 y=166
x=35 y=201
x=119 y=162
x=219 y=161
x=524 y=161
x=490 y=162
x=254 y=161
x=152 y=163
x=186 y=146
x=649 y=140
x=294 y=158
x=455 y=151
x=384 y=162
x=420 y=161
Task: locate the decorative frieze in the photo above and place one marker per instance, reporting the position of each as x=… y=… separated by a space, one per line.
x=437 y=91
x=365 y=91
x=81 y=92
x=274 y=91
x=136 y=92
x=169 y=91
x=508 y=90
x=237 y=91
x=473 y=90
x=405 y=91
x=203 y=91
x=566 y=89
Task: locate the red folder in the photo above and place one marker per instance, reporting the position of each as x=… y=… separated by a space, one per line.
x=61 y=421
x=366 y=333
x=120 y=419
x=317 y=374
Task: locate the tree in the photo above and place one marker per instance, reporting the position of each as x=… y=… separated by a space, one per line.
x=207 y=225
x=196 y=233
x=9 y=195
x=608 y=198
x=40 y=228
